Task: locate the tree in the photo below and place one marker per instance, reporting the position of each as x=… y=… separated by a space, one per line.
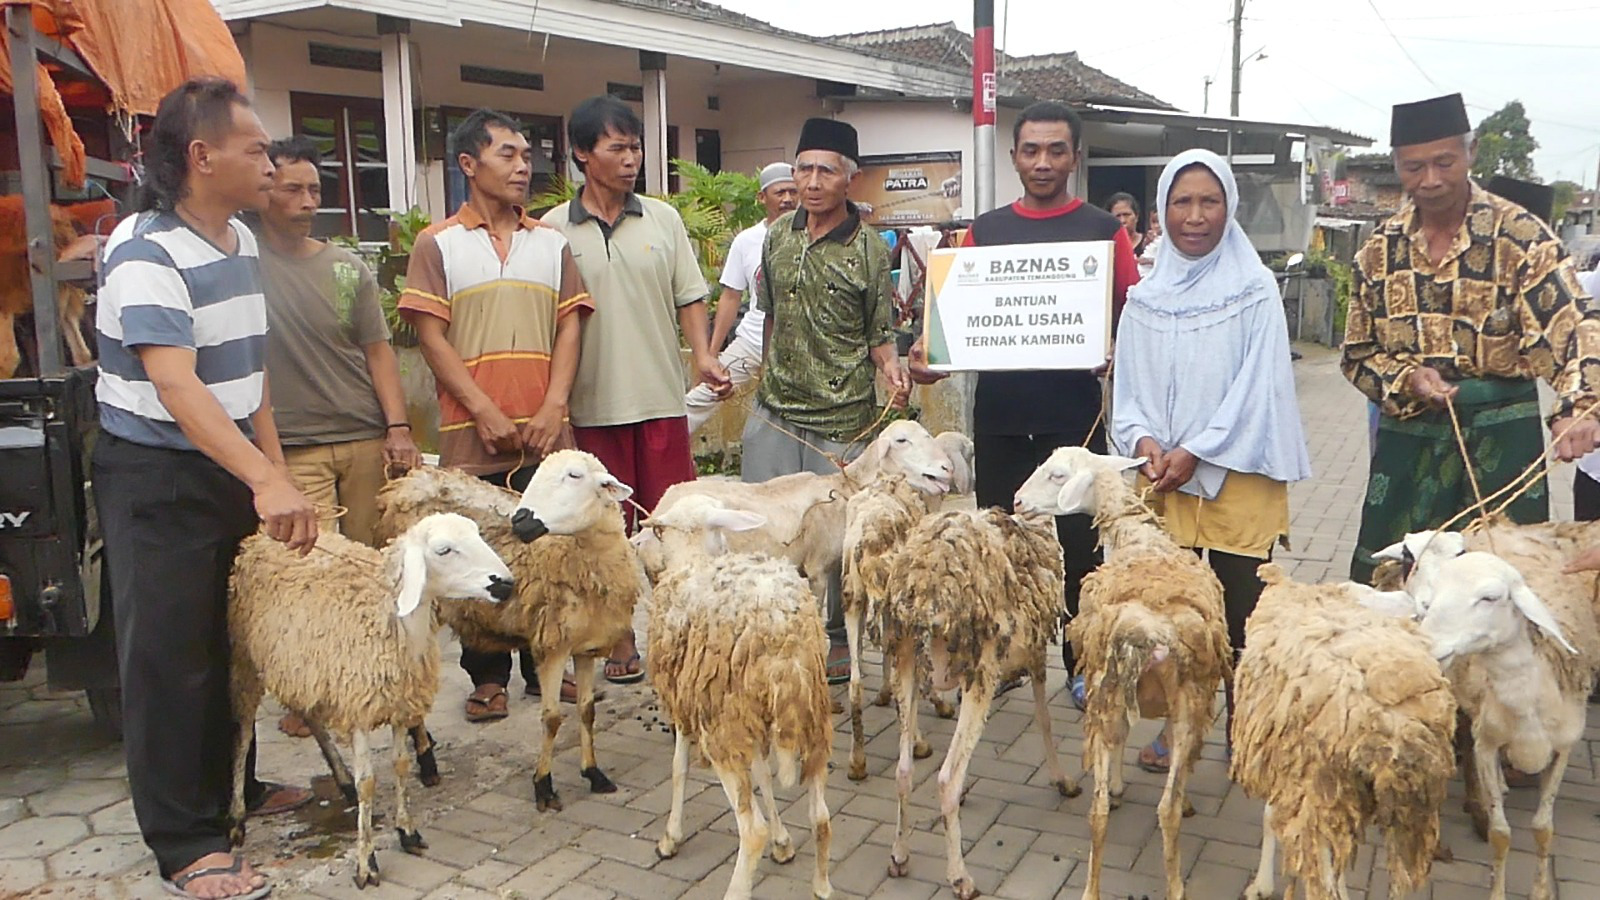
x=1566 y=192
x=1505 y=144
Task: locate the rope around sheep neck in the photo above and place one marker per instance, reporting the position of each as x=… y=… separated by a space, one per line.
x=1466 y=461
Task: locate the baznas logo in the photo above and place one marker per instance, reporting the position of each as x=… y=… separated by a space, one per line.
x=1090 y=265
x=968 y=265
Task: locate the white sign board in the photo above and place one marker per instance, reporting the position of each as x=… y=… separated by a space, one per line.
x=1019 y=306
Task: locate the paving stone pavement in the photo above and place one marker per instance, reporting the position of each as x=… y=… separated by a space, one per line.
x=67 y=829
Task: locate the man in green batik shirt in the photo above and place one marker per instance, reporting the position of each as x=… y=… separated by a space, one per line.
x=824 y=285
x=1462 y=299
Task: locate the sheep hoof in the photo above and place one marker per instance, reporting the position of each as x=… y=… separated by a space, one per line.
x=1443 y=853
x=858 y=771
x=544 y=794
x=412 y=842
x=1188 y=808
x=898 y=868
x=783 y=854
x=1115 y=801
x=1068 y=788
x=921 y=750
x=666 y=848
x=838 y=707
x=882 y=699
x=236 y=834
x=370 y=875
x=965 y=888
x=428 y=766
x=351 y=797
x=598 y=782
x=944 y=709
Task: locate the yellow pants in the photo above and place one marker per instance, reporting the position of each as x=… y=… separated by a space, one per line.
x=347 y=474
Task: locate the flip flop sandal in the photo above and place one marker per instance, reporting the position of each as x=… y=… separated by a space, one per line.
x=487 y=704
x=1007 y=686
x=265 y=807
x=178 y=887
x=627 y=677
x=843 y=677
x=1159 y=750
x=1080 y=693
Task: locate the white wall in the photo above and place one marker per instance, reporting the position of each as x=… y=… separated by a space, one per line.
x=764 y=117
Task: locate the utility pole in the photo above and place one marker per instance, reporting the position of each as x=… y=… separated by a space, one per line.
x=1205 y=108
x=1238 y=34
x=984 y=93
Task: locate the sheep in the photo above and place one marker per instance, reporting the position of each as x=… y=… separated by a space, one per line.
x=577 y=584
x=737 y=652
x=1149 y=636
x=347 y=636
x=1342 y=720
x=1524 y=688
x=972 y=598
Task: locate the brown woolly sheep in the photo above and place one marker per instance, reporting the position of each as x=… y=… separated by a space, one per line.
x=577 y=584
x=1342 y=720
x=347 y=636
x=1149 y=636
x=737 y=652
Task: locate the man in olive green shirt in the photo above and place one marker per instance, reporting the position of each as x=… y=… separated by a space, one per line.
x=825 y=288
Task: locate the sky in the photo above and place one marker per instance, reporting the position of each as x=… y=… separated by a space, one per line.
x=1339 y=63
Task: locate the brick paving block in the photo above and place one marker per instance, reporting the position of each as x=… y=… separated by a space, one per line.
x=500 y=806
x=11 y=809
x=1213 y=880
x=77 y=798
x=1115 y=883
x=629 y=881
x=861 y=872
x=414 y=871
x=343 y=887
x=909 y=889
x=482 y=826
x=634 y=851
x=1150 y=862
x=98 y=857
x=1036 y=875
x=550 y=836
x=117 y=818
x=19 y=876
x=778 y=883
x=1000 y=847
x=20 y=782
x=81 y=889
x=554 y=871
x=454 y=891
x=1223 y=854
x=580 y=891
x=701 y=854
x=490 y=873
x=36 y=836
x=453 y=850
x=596 y=812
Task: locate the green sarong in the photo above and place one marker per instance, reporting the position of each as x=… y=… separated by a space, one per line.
x=1417 y=480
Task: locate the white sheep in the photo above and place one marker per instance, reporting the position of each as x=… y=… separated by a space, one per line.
x=577 y=584
x=346 y=635
x=737 y=656
x=973 y=598
x=1342 y=720
x=1519 y=642
x=1150 y=638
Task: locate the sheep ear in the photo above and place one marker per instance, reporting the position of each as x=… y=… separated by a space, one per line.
x=958 y=447
x=1531 y=606
x=1077 y=495
x=1124 y=463
x=413 y=573
x=615 y=489
x=735 y=519
x=1395 y=551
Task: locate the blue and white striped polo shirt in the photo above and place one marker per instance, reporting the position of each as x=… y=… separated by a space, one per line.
x=165 y=285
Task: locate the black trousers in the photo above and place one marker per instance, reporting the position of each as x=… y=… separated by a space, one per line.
x=172 y=522
x=1585 y=497
x=1002 y=462
x=489 y=667
x=1241 y=589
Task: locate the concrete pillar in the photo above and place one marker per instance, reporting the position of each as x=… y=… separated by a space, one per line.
x=399 y=121
x=653 y=68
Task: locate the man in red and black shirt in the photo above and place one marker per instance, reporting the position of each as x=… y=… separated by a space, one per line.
x=1019 y=418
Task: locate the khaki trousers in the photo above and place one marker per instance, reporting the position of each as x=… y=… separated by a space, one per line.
x=347 y=474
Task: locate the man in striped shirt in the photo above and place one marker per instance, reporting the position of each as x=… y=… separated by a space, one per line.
x=497 y=302
x=186 y=466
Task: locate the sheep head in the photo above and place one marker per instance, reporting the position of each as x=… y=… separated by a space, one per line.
x=1064 y=484
x=570 y=492
x=1477 y=602
x=1421 y=550
x=444 y=556
x=906 y=448
x=695 y=523
x=958 y=447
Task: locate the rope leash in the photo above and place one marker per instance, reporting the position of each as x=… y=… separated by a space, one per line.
x=1466 y=460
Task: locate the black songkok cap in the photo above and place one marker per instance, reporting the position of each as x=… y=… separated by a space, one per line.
x=1428 y=120
x=1539 y=199
x=829 y=134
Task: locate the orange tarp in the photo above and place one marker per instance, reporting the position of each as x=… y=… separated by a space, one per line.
x=136 y=47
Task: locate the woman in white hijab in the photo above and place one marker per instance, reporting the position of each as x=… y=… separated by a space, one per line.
x=1204 y=390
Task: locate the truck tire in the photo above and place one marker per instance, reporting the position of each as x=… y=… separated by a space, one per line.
x=106 y=704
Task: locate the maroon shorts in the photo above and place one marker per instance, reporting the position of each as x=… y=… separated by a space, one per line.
x=648 y=456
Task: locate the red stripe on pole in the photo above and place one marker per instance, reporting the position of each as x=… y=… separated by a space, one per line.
x=983 y=79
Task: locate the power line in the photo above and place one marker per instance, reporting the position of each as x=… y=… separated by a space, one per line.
x=1403 y=50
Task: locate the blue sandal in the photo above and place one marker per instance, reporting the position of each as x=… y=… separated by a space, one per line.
x=1080 y=693
x=1157 y=749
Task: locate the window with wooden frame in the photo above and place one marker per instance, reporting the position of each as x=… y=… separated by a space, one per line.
x=349 y=131
x=545 y=134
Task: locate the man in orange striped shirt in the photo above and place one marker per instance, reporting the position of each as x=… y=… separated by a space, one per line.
x=497 y=302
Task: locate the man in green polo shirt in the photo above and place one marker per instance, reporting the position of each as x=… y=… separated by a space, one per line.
x=825 y=288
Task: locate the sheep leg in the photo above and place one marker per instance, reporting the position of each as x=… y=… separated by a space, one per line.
x=782 y=843
x=427 y=763
x=244 y=715
x=905 y=698
x=752 y=829
x=1487 y=758
x=410 y=839
x=583 y=667
x=336 y=766
x=886 y=691
x=70 y=315
x=1041 y=717
x=366 y=789
x=1099 y=752
x=1473 y=803
x=853 y=623
x=1544 y=823
x=1170 y=810
x=822 y=831
x=667 y=847
x=1264 y=885
x=953 y=776
x=544 y=791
